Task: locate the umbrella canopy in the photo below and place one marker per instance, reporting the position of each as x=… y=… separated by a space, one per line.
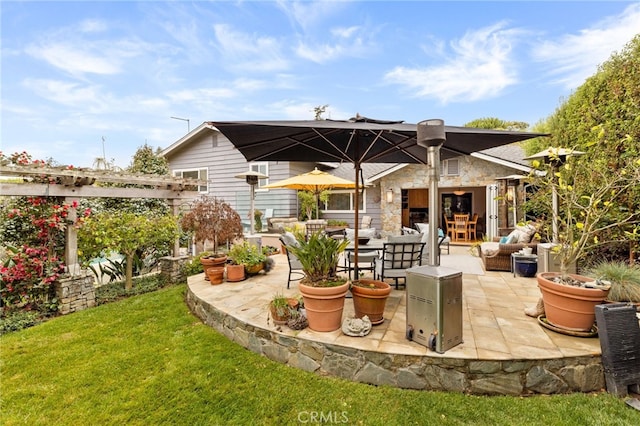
x=358 y=140
x=315 y=181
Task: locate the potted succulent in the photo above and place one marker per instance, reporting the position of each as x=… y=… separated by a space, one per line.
x=322 y=290
x=574 y=220
x=211 y=219
x=282 y=308
x=370 y=298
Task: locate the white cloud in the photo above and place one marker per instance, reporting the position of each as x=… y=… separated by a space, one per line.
x=309 y=13
x=481 y=66
x=352 y=41
x=74 y=59
x=575 y=57
x=245 y=52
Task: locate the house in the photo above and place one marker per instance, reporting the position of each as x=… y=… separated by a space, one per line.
x=396 y=195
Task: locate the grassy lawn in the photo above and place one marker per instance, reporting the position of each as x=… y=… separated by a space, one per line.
x=147 y=360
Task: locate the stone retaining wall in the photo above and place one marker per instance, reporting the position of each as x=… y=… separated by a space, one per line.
x=173 y=268
x=75 y=293
x=491 y=377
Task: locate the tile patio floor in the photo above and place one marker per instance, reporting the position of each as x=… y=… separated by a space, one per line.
x=494 y=324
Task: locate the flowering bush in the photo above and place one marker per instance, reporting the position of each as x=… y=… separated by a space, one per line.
x=27 y=277
x=32 y=232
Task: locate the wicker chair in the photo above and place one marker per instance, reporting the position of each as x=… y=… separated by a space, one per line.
x=500 y=259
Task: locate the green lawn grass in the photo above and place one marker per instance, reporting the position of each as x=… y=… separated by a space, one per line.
x=147 y=360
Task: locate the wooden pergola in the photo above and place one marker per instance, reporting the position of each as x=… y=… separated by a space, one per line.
x=73 y=184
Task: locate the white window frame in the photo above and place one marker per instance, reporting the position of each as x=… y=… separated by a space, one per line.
x=447 y=165
x=351 y=200
x=202 y=189
x=260 y=167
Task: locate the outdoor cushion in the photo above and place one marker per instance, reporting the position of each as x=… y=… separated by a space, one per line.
x=408 y=231
x=290 y=239
x=413 y=238
x=349 y=233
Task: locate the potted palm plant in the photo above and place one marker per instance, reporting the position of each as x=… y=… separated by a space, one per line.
x=574 y=221
x=323 y=291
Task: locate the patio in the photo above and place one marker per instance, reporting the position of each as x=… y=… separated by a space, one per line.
x=504 y=351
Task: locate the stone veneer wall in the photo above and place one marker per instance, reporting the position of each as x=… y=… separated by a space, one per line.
x=473 y=173
x=485 y=377
x=75 y=293
x=173 y=268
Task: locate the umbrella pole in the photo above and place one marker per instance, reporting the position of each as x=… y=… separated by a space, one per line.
x=356 y=200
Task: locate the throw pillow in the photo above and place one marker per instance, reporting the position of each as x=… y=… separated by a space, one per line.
x=408 y=231
x=504 y=239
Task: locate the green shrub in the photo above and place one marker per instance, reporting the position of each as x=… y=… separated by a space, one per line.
x=18 y=320
x=624 y=279
x=116 y=291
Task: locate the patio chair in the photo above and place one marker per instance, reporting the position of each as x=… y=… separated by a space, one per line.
x=397 y=258
x=315 y=225
x=366 y=222
x=472 y=232
x=295 y=267
x=460 y=226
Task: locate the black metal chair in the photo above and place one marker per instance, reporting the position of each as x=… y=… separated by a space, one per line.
x=396 y=259
x=295 y=267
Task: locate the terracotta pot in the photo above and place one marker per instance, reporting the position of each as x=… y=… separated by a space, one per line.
x=208 y=262
x=324 y=305
x=215 y=274
x=371 y=299
x=569 y=307
x=235 y=273
x=282 y=319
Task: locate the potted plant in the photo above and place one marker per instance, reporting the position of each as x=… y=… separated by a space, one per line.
x=574 y=226
x=211 y=219
x=322 y=290
x=249 y=256
x=370 y=298
x=624 y=280
x=282 y=308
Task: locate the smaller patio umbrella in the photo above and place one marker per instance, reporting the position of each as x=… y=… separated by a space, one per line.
x=315 y=181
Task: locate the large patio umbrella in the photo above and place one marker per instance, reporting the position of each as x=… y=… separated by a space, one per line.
x=314 y=181
x=358 y=140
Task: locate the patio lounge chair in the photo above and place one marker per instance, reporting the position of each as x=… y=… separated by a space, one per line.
x=397 y=257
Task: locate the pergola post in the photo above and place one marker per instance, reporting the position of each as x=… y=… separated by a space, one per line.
x=71 y=238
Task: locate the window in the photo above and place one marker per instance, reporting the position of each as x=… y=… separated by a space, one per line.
x=450 y=167
x=260 y=168
x=342 y=201
x=200 y=174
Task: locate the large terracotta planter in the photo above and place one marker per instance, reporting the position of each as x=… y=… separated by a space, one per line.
x=370 y=298
x=324 y=305
x=215 y=274
x=569 y=307
x=235 y=273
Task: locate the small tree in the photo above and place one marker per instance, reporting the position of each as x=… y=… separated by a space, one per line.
x=125 y=233
x=582 y=217
x=211 y=219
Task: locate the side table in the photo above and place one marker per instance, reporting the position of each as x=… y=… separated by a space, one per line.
x=530 y=266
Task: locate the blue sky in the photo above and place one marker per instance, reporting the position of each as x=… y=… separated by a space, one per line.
x=74 y=73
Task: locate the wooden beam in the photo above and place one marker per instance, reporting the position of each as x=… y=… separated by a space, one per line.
x=52 y=190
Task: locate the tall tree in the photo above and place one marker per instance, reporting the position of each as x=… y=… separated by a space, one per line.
x=602 y=119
